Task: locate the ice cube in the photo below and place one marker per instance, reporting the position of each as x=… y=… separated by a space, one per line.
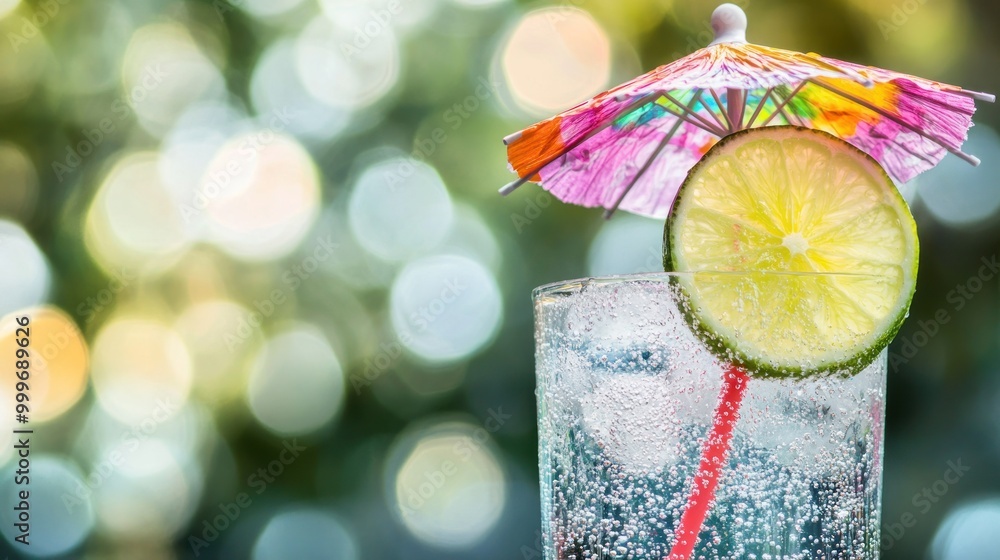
x=816 y=423
x=633 y=418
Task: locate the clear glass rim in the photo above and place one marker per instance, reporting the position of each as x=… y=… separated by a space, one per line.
x=570 y=287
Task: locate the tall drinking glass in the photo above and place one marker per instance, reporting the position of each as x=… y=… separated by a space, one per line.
x=627 y=393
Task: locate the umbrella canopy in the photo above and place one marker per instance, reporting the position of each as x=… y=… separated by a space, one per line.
x=631 y=147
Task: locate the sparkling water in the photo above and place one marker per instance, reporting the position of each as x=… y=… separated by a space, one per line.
x=626 y=395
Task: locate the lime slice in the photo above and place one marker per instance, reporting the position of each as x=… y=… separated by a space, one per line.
x=802 y=252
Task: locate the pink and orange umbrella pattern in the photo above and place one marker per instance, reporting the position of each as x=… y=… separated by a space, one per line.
x=631 y=147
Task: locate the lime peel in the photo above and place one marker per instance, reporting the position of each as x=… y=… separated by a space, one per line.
x=803 y=253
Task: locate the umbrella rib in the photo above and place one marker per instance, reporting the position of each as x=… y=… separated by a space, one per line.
x=728 y=125
x=904 y=148
x=933 y=138
x=704 y=124
x=644 y=100
x=707 y=127
x=921 y=157
x=760 y=107
x=978 y=95
x=785 y=113
x=780 y=109
x=645 y=167
x=942 y=104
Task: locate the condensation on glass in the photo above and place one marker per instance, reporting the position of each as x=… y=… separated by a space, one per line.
x=626 y=394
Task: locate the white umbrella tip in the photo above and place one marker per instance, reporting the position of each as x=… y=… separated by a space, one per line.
x=511 y=138
x=730 y=24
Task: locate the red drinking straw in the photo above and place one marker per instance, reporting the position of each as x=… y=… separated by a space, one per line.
x=713 y=457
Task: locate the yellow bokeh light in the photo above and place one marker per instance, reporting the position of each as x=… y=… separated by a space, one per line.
x=133 y=220
x=219 y=335
x=141 y=369
x=27 y=55
x=554 y=58
x=164 y=71
x=7 y=6
x=58 y=362
x=450 y=489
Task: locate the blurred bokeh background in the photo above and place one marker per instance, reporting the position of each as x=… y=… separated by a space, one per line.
x=281 y=312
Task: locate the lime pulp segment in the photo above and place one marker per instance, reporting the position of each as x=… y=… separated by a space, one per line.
x=803 y=253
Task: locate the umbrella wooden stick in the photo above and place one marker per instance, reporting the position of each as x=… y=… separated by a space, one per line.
x=736 y=105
